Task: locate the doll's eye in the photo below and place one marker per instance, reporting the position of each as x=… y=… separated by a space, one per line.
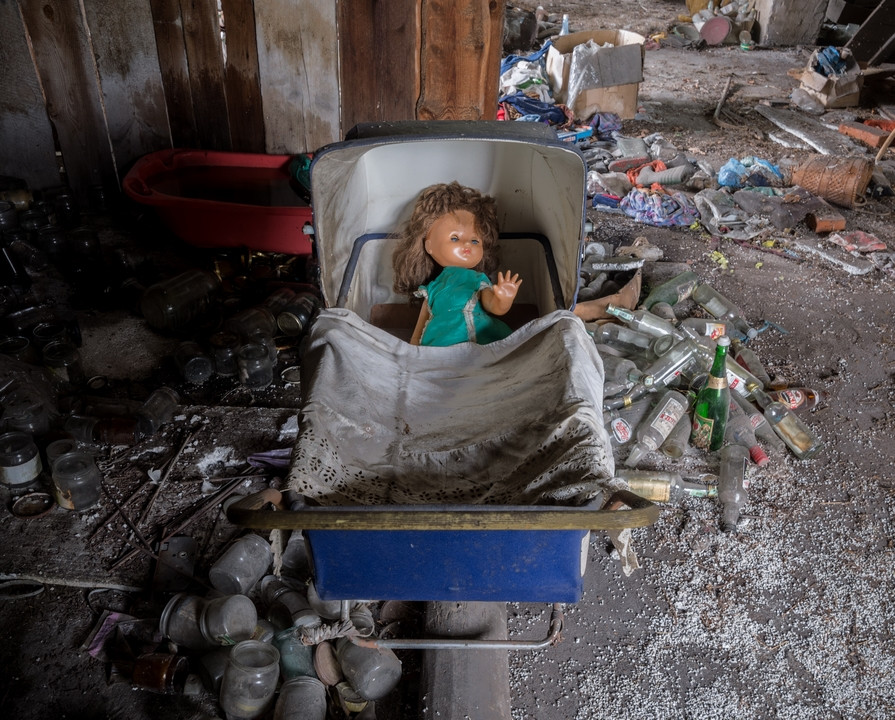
x=454 y=238
x=475 y=241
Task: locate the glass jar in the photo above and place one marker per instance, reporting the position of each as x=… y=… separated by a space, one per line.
x=211 y=668
x=81 y=427
x=117 y=430
x=301 y=698
x=223 y=353
x=255 y=366
x=76 y=481
x=19 y=459
x=45 y=333
x=19 y=348
x=63 y=361
x=241 y=565
x=194 y=365
x=161 y=673
x=250 y=680
x=60 y=447
x=174 y=303
x=294 y=319
x=228 y=620
x=252 y=321
x=157 y=410
x=296 y=658
x=179 y=622
x=372 y=672
x=286 y=606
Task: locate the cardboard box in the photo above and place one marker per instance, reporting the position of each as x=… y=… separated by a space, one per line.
x=618 y=71
x=834 y=91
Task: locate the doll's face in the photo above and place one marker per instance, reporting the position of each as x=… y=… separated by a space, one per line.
x=453 y=241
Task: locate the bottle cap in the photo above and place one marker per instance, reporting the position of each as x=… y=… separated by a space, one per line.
x=759 y=456
x=723 y=340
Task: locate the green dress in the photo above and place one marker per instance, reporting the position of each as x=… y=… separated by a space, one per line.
x=457 y=316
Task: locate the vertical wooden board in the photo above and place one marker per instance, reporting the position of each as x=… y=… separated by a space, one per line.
x=378 y=60
x=27 y=150
x=130 y=78
x=460 y=49
x=202 y=38
x=242 y=83
x=175 y=71
x=68 y=76
x=790 y=22
x=298 y=62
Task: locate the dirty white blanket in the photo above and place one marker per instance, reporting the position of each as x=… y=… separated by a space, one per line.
x=516 y=422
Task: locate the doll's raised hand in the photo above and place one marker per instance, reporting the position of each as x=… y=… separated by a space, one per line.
x=498 y=299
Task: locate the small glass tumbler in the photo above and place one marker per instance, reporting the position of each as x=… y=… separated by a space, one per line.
x=250 y=680
x=255 y=366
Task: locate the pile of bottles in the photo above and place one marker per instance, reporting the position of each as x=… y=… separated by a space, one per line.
x=672 y=383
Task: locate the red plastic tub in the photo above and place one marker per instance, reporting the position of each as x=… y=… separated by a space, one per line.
x=224 y=199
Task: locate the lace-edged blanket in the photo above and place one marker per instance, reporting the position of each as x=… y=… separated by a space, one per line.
x=515 y=422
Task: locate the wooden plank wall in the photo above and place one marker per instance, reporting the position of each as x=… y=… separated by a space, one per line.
x=93 y=85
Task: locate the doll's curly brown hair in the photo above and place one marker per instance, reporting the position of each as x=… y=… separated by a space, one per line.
x=412 y=264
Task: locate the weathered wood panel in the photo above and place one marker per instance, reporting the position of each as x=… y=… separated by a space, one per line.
x=875 y=40
x=175 y=71
x=243 y=86
x=298 y=61
x=26 y=138
x=130 y=78
x=461 y=47
x=790 y=22
x=67 y=74
x=379 y=60
x=202 y=38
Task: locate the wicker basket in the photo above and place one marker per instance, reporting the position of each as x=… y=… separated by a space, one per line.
x=842 y=181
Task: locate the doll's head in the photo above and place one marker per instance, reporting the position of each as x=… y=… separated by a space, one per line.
x=413 y=265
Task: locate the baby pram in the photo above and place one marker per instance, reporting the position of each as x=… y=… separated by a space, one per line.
x=472 y=472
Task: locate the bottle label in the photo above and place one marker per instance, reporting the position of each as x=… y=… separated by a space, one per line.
x=668 y=417
x=701 y=436
x=715 y=330
x=791 y=398
x=717 y=383
x=621 y=430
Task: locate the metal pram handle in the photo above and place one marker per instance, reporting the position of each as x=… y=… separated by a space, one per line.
x=263 y=510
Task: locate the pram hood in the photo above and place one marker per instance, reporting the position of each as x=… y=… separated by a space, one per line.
x=364 y=188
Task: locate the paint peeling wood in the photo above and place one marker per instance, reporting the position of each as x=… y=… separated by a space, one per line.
x=461 y=46
x=26 y=138
x=243 y=86
x=130 y=78
x=175 y=71
x=379 y=60
x=67 y=74
x=298 y=63
x=202 y=39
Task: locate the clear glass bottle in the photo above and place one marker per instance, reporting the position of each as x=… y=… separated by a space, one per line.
x=712 y=405
x=643 y=321
x=720 y=307
x=792 y=430
x=621 y=424
x=702 y=327
x=175 y=303
x=668 y=367
x=657 y=425
x=798 y=399
x=665 y=311
x=739 y=432
x=250 y=680
x=760 y=426
x=622 y=337
x=620 y=370
x=748 y=358
x=241 y=565
x=732 y=484
x=678 y=440
x=663 y=486
x=672 y=291
x=76 y=481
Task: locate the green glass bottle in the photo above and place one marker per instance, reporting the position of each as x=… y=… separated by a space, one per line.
x=713 y=403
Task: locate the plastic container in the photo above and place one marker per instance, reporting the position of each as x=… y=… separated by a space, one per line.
x=20 y=461
x=250 y=680
x=254 y=365
x=241 y=565
x=76 y=481
x=301 y=698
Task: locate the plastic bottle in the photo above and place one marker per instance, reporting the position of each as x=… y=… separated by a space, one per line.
x=732 y=485
x=747 y=357
x=657 y=425
x=796 y=434
x=739 y=432
x=797 y=399
x=712 y=404
x=720 y=307
x=643 y=321
x=663 y=486
x=565 y=25
x=672 y=291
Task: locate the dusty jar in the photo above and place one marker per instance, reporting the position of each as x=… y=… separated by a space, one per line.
x=250 y=680
x=19 y=459
x=228 y=620
x=302 y=698
x=76 y=481
x=242 y=565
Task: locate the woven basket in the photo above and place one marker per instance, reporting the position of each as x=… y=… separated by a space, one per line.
x=842 y=181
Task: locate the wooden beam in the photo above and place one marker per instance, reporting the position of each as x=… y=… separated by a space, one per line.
x=241 y=80
x=175 y=71
x=875 y=39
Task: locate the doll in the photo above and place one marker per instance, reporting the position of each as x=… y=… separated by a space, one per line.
x=445 y=255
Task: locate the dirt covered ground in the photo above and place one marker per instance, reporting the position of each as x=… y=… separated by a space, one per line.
x=790 y=617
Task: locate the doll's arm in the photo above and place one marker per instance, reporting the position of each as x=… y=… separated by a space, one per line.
x=420 y=324
x=498 y=298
